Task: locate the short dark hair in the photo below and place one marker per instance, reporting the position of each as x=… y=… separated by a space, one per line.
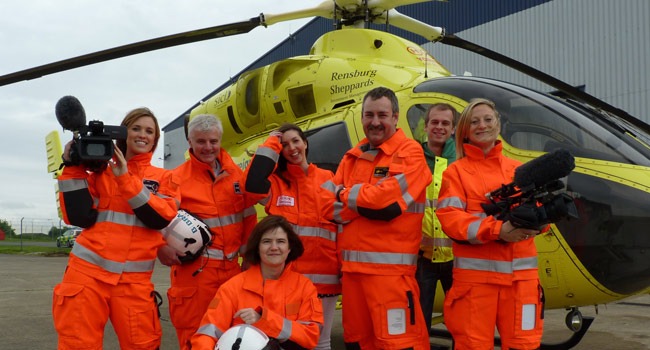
x=442 y=107
x=380 y=92
x=270 y=222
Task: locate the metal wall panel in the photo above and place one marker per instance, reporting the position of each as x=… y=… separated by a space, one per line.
x=597 y=43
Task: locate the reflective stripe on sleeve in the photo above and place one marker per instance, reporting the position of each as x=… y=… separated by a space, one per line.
x=210 y=330
x=268 y=153
x=285 y=333
x=72 y=185
x=453 y=202
x=139 y=199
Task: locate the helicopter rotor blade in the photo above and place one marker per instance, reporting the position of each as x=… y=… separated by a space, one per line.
x=453 y=40
x=410 y=24
x=133 y=49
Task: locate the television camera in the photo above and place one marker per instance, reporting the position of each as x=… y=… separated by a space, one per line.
x=92 y=144
x=535 y=197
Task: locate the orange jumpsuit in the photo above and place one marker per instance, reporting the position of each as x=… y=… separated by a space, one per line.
x=290 y=308
x=219 y=201
x=495 y=282
x=110 y=267
x=381 y=206
x=299 y=203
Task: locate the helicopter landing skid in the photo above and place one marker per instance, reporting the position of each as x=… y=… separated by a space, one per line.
x=567 y=344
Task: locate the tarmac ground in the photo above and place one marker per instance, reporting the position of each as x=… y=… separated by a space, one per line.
x=26 y=283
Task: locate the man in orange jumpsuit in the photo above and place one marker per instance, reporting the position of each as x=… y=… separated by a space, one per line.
x=212 y=190
x=378 y=193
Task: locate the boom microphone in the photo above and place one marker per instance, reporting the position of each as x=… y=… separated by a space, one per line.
x=70 y=113
x=544 y=169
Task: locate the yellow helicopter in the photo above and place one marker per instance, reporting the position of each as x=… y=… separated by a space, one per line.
x=599 y=258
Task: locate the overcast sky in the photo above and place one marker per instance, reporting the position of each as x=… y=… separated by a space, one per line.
x=168 y=81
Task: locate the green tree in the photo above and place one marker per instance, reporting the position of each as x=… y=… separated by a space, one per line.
x=56 y=232
x=6 y=227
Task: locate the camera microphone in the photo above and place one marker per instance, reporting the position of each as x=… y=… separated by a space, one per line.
x=544 y=169
x=70 y=113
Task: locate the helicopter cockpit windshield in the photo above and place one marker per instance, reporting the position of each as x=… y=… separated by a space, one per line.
x=534 y=121
x=610 y=236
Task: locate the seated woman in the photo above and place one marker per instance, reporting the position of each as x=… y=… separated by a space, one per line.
x=280 y=302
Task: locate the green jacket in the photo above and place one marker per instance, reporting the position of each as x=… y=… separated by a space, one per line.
x=435 y=244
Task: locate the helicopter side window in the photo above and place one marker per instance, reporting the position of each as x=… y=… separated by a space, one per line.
x=302 y=100
x=415 y=117
x=327 y=145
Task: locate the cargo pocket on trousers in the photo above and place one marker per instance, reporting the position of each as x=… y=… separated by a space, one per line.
x=181 y=312
x=66 y=301
x=144 y=325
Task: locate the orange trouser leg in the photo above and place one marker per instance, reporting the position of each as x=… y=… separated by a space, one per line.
x=80 y=311
x=470 y=313
x=190 y=294
x=383 y=312
x=519 y=319
x=134 y=316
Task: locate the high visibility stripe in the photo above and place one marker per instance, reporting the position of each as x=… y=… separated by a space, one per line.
x=139 y=199
x=222 y=221
x=308 y=231
x=109 y=265
x=416 y=208
x=480 y=215
x=524 y=263
x=265 y=200
x=210 y=330
x=379 y=258
x=323 y=279
x=329 y=186
x=268 y=153
x=250 y=211
x=338 y=209
x=217 y=254
x=472 y=232
x=353 y=196
x=432 y=203
x=495 y=265
x=119 y=218
x=285 y=333
x=436 y=242
x=454 y=202
x=72 y=185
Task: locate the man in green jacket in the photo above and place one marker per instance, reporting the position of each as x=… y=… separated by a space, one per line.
x=435 y=260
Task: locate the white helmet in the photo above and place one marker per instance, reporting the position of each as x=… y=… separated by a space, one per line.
x=188 y=235
x=244 y=337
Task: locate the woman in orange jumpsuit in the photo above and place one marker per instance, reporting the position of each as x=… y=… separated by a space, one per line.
x=495 y=267
x=282 y=179
x=270 y=295
x=121 y=207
